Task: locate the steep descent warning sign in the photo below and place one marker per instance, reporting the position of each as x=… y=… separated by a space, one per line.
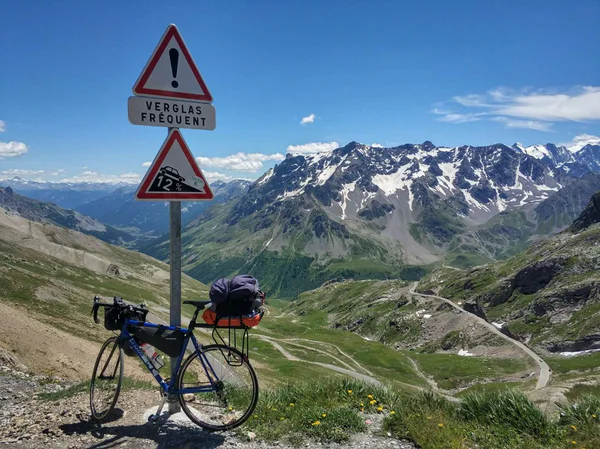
x=174 y=174
x=171 y=72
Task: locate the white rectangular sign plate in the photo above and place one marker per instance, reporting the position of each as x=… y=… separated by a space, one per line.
x=149 y=111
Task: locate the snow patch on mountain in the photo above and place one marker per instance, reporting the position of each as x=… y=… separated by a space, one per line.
x=346 y=189
x=389 y=184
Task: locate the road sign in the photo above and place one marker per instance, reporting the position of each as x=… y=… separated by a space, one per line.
x=174 y=174
x=171 y=72
x=171 y=113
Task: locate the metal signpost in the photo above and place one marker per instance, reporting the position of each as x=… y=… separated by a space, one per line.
x=170 y=92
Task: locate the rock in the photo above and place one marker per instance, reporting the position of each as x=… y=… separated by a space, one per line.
x=501 y=293
x=113 y=270
x=475 y=309
x=537 y=276
x=589 y=216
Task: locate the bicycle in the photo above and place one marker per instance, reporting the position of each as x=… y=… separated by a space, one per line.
x=207 y=391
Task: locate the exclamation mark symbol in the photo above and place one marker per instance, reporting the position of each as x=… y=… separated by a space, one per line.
x=174 y=57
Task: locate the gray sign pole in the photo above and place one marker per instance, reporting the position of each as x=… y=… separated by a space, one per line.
x=175 y=265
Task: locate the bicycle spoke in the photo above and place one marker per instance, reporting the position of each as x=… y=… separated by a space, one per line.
x=234 y=388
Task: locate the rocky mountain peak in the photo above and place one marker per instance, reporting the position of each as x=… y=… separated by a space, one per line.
x=589 y=216
x=8 y=191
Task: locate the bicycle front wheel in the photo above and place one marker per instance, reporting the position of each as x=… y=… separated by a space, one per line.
x=106 y=379
x=224 y=388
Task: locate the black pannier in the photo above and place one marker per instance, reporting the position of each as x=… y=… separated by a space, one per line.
x=168 y=341
x=114 y=317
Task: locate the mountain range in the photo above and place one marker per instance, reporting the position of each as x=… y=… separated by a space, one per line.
x=65 y=194
x=362 y=211
x=358 y=211
x=114 y=205
x=49 y=213
x=151 y=218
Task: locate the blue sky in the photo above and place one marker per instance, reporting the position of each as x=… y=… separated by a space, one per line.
x=385 y=72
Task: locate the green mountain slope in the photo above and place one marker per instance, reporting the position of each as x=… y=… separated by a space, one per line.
x=446 y=345
x=548 y=295
x=272 y=248
x=49 y=276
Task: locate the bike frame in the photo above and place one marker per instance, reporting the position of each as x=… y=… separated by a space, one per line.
x=170 y=387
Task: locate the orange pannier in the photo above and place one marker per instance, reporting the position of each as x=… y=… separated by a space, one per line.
x=251 y=320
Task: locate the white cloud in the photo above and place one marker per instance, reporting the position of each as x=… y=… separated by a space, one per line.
x=146 y=164
x=216 y=176
x=58 y=172
x=308 y=119
x=12 y=149
x=581 y=106
x=314 y=147
x=247 y=162
x=20 y=172
x=470 y=100
x=460 y=118
x=92 y=176
x=526 y=124
x=376 y=145
x=2 y=126
x=580 y=141
x=527 y=108
x=452 y=117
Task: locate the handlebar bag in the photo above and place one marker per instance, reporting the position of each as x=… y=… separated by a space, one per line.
x=115 y=316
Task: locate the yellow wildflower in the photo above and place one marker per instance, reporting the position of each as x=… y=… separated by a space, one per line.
x=362 y=405
x=349 y=391
x=573 y=428
x=392 y=412
x=324 y=415
x=362 y=409
x=573 y=442
x=370 y=396
x=292 y=404
x=373 y=401
x=316 y=423
x=594 y=416
x=441 y=425
x=379 y=409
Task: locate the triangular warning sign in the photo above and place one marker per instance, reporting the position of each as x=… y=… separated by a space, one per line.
x=174 y=174
x=171 y=72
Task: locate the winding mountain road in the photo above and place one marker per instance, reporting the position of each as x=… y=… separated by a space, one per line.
x=347 y=372
x=543 y=368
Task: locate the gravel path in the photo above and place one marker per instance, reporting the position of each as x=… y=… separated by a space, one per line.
x=347 y=372
x=26 y=421
x=544 y=369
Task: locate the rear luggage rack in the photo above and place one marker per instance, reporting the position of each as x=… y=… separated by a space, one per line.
x=241 y=343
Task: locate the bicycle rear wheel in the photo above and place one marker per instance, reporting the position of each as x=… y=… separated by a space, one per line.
x=230 y=384
x=107 y=378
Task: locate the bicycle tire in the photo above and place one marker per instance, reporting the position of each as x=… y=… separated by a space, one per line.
x=227 y=397
x=99 y=383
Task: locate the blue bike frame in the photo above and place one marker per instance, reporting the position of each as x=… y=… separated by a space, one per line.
x=170 y=387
